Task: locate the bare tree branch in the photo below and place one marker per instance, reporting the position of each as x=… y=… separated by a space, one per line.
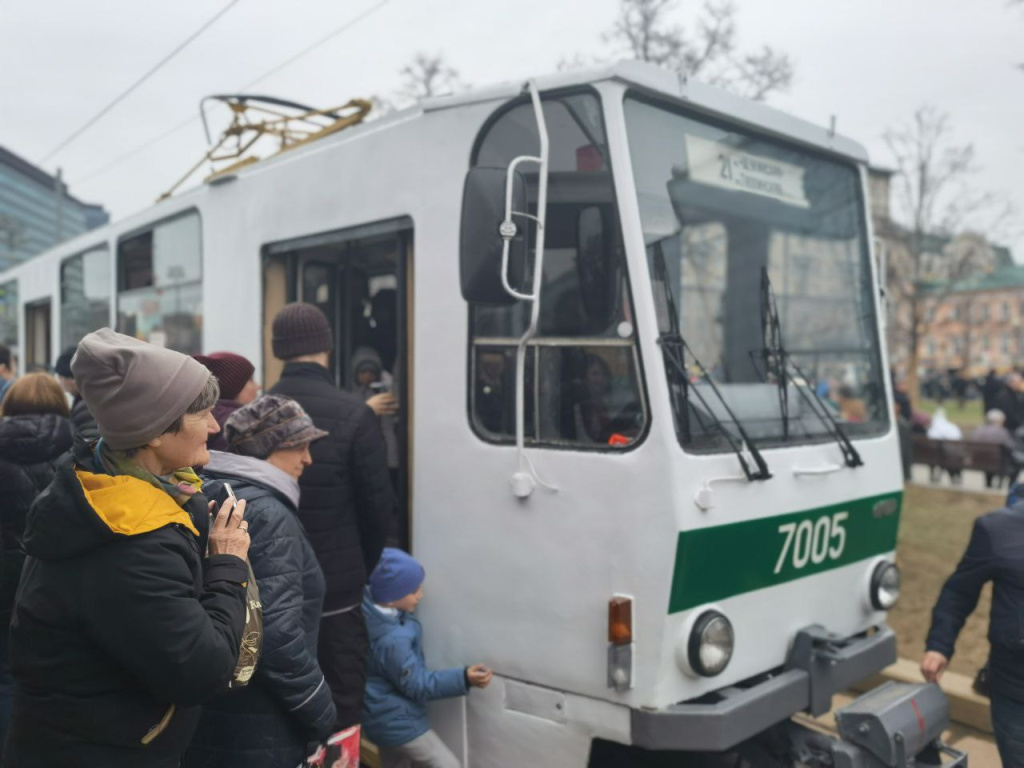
x=427 y=76
x=643 y=29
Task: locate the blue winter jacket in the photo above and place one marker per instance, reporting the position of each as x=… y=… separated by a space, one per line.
x=398 y=684
x=287 y=704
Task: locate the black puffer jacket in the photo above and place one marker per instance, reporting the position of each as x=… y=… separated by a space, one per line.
x=29 y=446
x=287 y=703
x=82 y=420
x=348 y=505
x=120 y=628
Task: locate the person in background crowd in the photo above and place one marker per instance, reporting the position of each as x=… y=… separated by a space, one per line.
x=120 y=628
x=375 y=386
x=399 y=685
x=993 y=554
x=989 y=389
x=1010 y=400
x=8 y=366
x=286 y=704
x=902 y=399
x=34 y=433
x=237 y=388
x=851 y=407
x=941 y=428
x=81 y=419
x=347 y=505
x=905 y=434
x=994 y=431
x=960 y=387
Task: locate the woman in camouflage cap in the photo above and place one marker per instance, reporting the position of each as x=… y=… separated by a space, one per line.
x=287 y=704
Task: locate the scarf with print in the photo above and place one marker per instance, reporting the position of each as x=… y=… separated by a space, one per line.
x=181 y=485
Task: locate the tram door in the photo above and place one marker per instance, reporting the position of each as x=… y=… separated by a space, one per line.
x=37 y=336
x=360 y=280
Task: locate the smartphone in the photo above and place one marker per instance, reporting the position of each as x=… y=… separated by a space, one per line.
x=380 y=387
x=234 y=500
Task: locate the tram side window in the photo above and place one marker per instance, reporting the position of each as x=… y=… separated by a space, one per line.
x=159 y=284
x=9 y=315
x=583 y=369
x=84 y=295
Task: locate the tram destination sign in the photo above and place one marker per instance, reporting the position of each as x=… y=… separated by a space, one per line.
x=727 y=560
x=726 y=167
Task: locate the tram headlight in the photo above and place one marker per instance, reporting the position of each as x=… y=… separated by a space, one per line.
x=711 y=644
x=885 y=586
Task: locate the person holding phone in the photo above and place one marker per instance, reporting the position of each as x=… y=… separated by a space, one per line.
x=123 y=625
x=287 y=703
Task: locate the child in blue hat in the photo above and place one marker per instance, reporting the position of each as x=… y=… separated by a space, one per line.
x=399 y=685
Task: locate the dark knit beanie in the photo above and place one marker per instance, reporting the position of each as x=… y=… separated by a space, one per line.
x=397 y=574
x=301 y=329
x=63 y=365
x=134 y=390
x=232 y=371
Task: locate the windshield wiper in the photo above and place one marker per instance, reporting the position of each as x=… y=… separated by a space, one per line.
x=674 y=349
x=778 y=362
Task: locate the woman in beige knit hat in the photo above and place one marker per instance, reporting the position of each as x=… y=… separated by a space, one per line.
x=123 y=625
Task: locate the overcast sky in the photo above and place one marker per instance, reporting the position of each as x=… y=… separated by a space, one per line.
x=869 y=62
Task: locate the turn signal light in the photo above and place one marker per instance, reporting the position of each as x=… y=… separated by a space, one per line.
x=620 y=621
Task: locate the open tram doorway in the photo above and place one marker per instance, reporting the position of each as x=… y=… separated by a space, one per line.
x=360 y=278
x=38 y=355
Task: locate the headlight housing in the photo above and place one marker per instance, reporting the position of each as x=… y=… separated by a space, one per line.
x=885 y=586
x=711 y=644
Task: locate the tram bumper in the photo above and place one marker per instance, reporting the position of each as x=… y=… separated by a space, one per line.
x=819 y=666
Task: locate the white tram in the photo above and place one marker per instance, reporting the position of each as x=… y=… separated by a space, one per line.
x=647 y=453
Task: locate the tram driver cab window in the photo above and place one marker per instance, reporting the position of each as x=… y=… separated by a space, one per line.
x=583 y=368
x=159 y=284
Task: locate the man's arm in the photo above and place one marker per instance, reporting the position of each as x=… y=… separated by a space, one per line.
x=959 y=595
x=374 y=496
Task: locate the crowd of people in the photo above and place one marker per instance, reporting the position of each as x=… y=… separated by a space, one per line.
x=194 y=574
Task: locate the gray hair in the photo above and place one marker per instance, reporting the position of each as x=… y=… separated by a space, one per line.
x=995 y=416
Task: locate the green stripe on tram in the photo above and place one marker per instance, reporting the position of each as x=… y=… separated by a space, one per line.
x=728 y=560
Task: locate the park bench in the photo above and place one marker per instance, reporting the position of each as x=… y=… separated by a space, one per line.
x=958 y=455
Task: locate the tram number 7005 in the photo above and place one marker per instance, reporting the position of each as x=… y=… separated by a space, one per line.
x=813 y=541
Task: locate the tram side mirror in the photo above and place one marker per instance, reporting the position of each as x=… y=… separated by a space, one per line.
x=595 y=266
x=480 y=242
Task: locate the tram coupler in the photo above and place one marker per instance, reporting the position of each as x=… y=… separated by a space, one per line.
x=897 y=725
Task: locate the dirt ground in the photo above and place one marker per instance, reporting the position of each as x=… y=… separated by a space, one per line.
x=934 y=530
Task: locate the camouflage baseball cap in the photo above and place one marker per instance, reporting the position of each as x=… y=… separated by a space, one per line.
x=267 y=424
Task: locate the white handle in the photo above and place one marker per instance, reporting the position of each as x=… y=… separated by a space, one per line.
x=824 y=469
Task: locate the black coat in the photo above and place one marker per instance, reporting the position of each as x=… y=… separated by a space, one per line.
x=29 y=446
x=120 y=628
x=995 y=553
x=348 y=505
x=287 y=704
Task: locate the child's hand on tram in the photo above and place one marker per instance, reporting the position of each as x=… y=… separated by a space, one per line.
x=478 y=676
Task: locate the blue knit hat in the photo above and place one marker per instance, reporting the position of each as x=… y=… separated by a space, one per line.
x=397 y=574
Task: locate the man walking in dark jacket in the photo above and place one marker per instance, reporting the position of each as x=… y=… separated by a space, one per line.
x=347 y=502
x=995 y=553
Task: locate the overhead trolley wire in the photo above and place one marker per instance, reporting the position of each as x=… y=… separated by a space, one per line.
x=286 y=63
x=152 y=71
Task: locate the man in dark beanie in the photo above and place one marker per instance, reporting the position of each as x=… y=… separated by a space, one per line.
x=237 y=388
x=81 y=420
x=347 y=503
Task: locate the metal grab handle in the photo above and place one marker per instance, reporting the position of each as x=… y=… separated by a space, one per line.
x=508 y=228
x=824 y=469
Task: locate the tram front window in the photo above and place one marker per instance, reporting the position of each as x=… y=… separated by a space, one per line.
x=731 y=221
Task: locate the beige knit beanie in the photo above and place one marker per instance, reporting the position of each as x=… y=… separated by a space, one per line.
x=134 y=390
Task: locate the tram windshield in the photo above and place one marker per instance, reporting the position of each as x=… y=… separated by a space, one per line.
x=759 y=258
